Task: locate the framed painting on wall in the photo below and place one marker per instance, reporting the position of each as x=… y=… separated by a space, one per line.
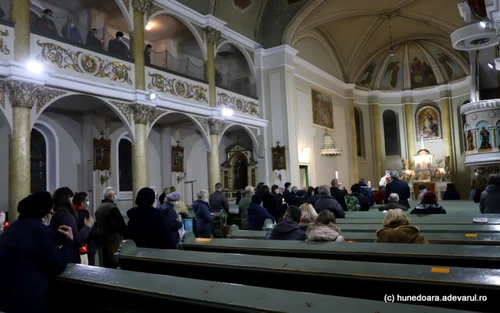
x=428 y=123
x=322 y=108
x=279 y=157
x=178 y=159
x=102 y=154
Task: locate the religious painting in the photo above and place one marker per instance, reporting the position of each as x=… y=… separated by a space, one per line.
x=392 y=77
x=322 y=106
x=484 y=135
x=240 y=171
x=178 y=158
x=429 y=123
x=102 y=154
x=279 y=158
x=447 y=64
x=369 y=74
x=421 y=73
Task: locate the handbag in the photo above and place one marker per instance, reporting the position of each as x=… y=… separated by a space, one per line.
x=181 y=231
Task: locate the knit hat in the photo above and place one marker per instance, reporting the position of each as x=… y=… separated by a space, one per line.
x=145 y=197
x=36 y=205
x=174 y=196
x=429 y=198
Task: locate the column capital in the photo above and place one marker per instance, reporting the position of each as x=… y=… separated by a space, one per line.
x=212 y=35
x=27 y=94
x=145 y=114
x=142 y=5
x=216 y=126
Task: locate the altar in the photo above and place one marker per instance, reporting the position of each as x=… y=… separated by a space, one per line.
x=438 y=187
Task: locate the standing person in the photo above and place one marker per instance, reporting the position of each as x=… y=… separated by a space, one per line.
x=400 y=187
x=172 y=218
x=111 y=225
x=117 y=48
x=92 y=41
x=218 y=200
x=269 y=202
x=29 y=257
x=203 y=216
x=88 y=251
x=243 y=207
x=45 y=25
x=258 y=214
x=147 y=55
x=338 y=194
x=327 y=202
x=385 y=179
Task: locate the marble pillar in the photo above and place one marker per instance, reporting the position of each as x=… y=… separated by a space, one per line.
x=142 y=116
x=21 y=18
x=354 y=143
x=377 y=139
x=410 y=131
x=447 y=140
x=140 y=6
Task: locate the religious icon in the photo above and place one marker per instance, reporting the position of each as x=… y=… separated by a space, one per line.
x=484 y=135
x=428 y=123
x=178 y=158
x=279 y=157
x=322 y=106
x=470 y=141
x=102 y=151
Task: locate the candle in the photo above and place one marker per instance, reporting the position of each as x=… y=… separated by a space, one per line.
x=336 y=175
x=370 y=184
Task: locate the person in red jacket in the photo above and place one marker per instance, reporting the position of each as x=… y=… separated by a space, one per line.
x=380 y=195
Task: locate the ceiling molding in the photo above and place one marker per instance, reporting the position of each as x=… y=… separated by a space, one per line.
x=301 y=16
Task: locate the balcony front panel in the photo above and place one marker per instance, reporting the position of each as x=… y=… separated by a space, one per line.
x=6 y=43
x=82 y=63
x=170 y=85
x=237 y=102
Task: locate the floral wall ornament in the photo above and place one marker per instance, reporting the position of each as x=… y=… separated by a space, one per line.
x=3 y=48
x=237 y=104
x=24 y=94
x=213 y=35
x=216 y=126
x=125 y=109
x=178 y=88
x=84 y=63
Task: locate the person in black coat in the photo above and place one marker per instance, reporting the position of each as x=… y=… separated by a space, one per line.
x=117 y=48
x=29 y=257
x=338 y=194
x=203 y=216
x=288 y=228
x=147 y=226
x=173 y=220
x=397 y=186
x=81 y=203
x=364 y=202
x=65 y=214
x=327 y=202
x=92 y=41
x=270 y=202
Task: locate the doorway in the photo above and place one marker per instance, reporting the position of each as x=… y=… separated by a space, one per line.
x=304 y=175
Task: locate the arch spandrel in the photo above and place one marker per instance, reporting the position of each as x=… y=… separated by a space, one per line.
x=249 y=132
x=244 y=52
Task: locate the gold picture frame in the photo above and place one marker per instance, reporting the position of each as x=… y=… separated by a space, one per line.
x=322 y=109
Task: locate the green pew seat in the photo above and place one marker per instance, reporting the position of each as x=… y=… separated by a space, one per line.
x=477 y=256
x=429 y=220
x=375 y=213
x=118 y=291
x=425 y=228
x=313 y=275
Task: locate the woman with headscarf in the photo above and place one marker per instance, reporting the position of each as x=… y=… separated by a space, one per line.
x=147 y=226
x=172 y=218
x=30 y=258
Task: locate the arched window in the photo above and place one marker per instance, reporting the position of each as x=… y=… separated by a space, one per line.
x=125 y=165
x=38 y=157
x=360 y=138
x=391 y=133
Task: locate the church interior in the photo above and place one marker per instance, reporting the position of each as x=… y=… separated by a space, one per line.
x=363 y=117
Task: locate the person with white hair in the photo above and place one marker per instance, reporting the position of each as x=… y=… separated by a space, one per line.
x=203 y=216
x=112 y=226
x=398 y=229
x=400 y=187
x=393 y=204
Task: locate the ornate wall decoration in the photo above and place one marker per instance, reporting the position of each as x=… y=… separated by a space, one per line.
x=203 y=123
x=141 y=5
x=213 y=35
x=255 y=132
x=200 y=30
x=127 y=4
x=152 y=9
x=145 y=114
x=178 y=88
x=216 y=126
x=24 y=94
x=428 y=123
x=84 y=63
x=125 y=109
x=2 y=95
x=237 y=104
x=3 y=48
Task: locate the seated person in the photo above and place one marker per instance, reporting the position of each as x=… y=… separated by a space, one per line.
x=71 y=33
x=364 y=202
x=428 y=205
x=308 y=216
x=257 y=214
x=393 y=203
x=422 y=191
x=45 y=25
x=93 y=41
x=327 y=202
x=490 y=198
x=288 y=228
x=451 y=193
x=117 y=48
x=380 y=196
x=147 y=226
x=203 y=216
x=324 y=229
x=397 y=229
x=367 y=191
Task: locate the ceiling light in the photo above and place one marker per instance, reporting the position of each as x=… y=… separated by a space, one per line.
x=34 y=67
x=227 y=112
x=149 y=26
x=152 y=96
x=491 y=65
x=483 y=24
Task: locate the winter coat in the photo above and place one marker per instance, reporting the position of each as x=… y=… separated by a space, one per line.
x=320 y=232
x=257 y=215
x=428 y=209
x=203 y=218
x=490 y=200
x=327 y=202
x=400 y=234
x=148 y=228
x=286 y=230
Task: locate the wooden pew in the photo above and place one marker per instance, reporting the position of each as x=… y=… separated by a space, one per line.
x=433 y=238
x=109 y=290
x=423 y=221
x=314 y=275
x=375 y=213
x=446 y=255
x=425 y=228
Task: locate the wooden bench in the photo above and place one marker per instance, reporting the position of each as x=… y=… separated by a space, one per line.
x=375 y=213
x=433 y=238
x=450 y=220
x=443 y=255
x=109 y=290
x=425 y=228
x=314 y=275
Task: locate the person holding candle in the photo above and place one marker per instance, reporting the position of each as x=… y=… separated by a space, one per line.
x=385 y=179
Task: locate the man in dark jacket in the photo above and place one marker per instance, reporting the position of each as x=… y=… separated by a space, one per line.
x=288 y=228
x=367 y=191
x=363 y=200
x=338 y=194
x=92 y=40
x=327 y=202
x=490 y=198
x=399 y=187
x=117 y=48
x=218 y=200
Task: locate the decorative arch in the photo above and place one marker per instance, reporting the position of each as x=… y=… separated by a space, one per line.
x=252 y=136
x=126 y=14
x=201 y=127
x=124 y=136
x=360 y=135
x=52 y=153
x=301 y=16
x=482 y=122
x=188 y=24
x=244 y=52
x=391 y=133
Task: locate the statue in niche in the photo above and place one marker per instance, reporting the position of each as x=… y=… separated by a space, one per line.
x=485 y=139
x=240 y=173
x=470 y=141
